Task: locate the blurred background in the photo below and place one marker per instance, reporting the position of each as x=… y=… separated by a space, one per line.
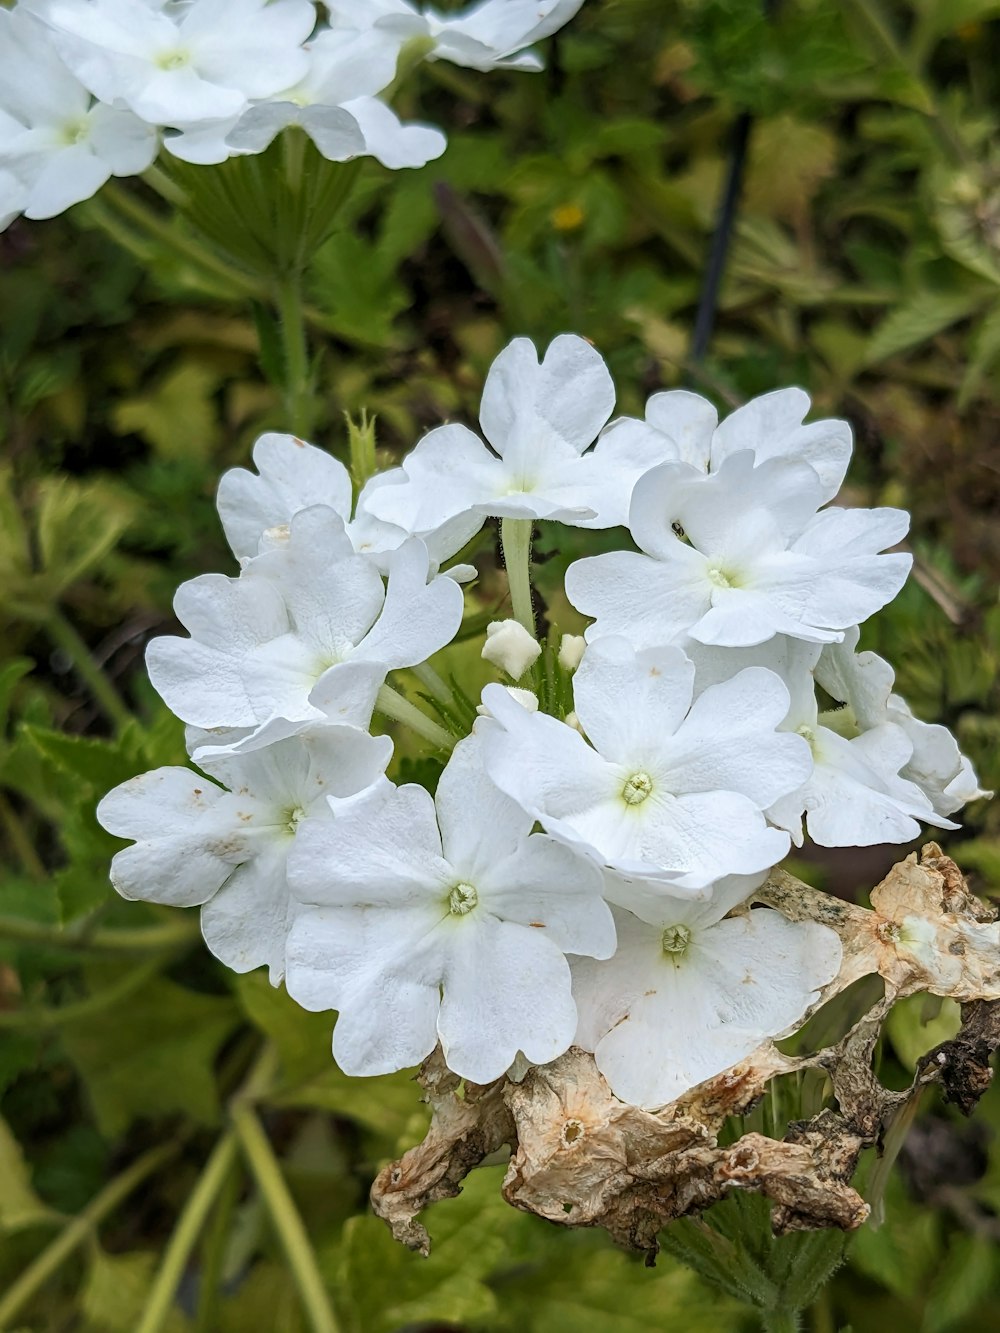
x=863 y=264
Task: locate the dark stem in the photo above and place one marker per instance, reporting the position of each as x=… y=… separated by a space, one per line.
x=708 y=303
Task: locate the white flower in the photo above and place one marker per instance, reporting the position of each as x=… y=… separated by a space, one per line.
x=226 y=850
x=691 y=992
x=294 y=476
x=539 y=418
x=487 y=35
x=683 y=427
x=863 y=682
x=13 y=196
x=666 y=790
x=306 y=634
x=510 y=647
x=739 y=555
x=57 y=145
x=333 y=103
x=182 y=64
x=858 y=793
x=442 y=919
x=527 y=699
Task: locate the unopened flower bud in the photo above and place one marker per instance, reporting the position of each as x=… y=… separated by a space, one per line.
x=573 y=721
x=509 y=646
x=571 y=650
x=527 y=700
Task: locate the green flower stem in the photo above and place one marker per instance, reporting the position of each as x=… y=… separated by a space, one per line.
x=515 y=539
x=159 y=1305
x=780 y=1321
x=157 y=179
x=285 y=1217
x=291 y=315
x=111 y=942
x=392 y=704
x=213 y=1254
x=433 y=683
x=38 y=1018
x=82 y=1228
x=20 y=841
x=65 y=636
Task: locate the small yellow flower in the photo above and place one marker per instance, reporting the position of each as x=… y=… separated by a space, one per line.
x=568 y=217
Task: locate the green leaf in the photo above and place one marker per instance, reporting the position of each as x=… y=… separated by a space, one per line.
x=983 y=854
x=78 y=524
x=178 y=416
x=902 y=1254
x=155 y=1057
x=388 y=1106
x=10 y=673
x=917 y=320
x=939 y=17
x=918 y=1023
x=100 y=764
x=19 y=1054
x=28 y=899
x=115 y=1293
x=725 y=1265
x=380 y=1286
x=20 y=1206
x=965 y=1282
x=984 y=352
x=575 y=1281
x=358 y=287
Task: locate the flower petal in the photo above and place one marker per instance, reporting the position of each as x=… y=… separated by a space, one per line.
x=506 y=989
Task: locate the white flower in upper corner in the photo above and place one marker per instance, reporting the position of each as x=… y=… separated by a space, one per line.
x=293 y=476
x=683 y=427
x=198 y=844
x=739 y=555
x=492 y=34
x=444 y=918
x=56 y=145
x=690 y=991
x=667 y=790
x=539 y=418
x=858 y=793
x=863 y=682
x=333 y=103
x=305 y=635
x=182 y=64
x=510 y=647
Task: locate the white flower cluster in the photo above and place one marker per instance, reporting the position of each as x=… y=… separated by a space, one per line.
x=90 y=88
x=582 y=874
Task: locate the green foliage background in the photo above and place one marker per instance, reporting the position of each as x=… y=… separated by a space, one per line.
x=865 y=266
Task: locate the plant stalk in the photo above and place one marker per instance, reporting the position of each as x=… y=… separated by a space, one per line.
x=111 y=942
x=38 y=1019
x=433 y=683
x=295 y=349
x=285 y=1217
x=515 y=539
x=392 y=704
x=20 y=841
x=780 y=1321
x=82 y=1228
x=160 y=1303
